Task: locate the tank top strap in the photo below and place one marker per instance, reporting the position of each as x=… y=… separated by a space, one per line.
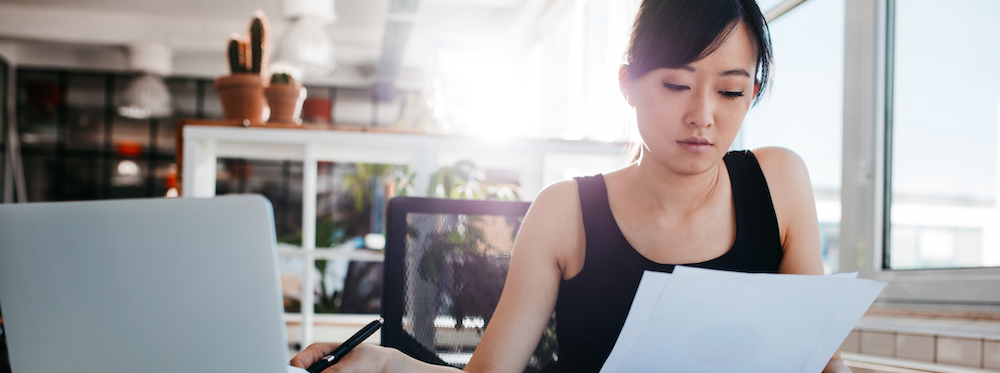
x=594 y=206
x=758 y=241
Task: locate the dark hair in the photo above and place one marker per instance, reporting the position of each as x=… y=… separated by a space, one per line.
x=674 y=33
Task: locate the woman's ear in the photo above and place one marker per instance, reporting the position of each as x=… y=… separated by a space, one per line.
x=625 y=84
x=756 y=89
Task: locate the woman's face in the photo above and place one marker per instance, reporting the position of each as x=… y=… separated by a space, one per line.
x=689 y=116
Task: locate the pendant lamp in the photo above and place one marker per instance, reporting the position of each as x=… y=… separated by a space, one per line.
x=147 y=96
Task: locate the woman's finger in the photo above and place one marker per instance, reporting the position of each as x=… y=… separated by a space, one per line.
x=312 y=354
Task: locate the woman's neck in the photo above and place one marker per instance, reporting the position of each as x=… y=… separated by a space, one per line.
x=665 y=189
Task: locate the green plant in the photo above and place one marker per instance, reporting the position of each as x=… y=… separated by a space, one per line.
x=258 y=39
x=249 y=55
x=282 y=78
x=464 y=180
x=237 y=52
x=369 y=176
x=467 y=267
x=328 y=234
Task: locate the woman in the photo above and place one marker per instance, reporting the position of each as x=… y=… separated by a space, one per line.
x=693 y=69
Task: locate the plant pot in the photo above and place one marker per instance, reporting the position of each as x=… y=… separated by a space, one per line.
x=317 y=110
x=242 y=96
x=285 y=101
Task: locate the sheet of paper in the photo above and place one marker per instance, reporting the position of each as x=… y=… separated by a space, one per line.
x=720 y=321
x=646 y=296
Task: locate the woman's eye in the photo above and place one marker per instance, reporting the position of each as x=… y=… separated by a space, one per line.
x=732 y=94
x=675 y=87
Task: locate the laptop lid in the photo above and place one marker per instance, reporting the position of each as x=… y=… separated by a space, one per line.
x=154 y=285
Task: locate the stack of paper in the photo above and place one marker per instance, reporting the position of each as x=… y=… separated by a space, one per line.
x=701 y=320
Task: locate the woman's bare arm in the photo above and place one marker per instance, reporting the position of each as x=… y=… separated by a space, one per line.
x=795 y=207
x=552 y=231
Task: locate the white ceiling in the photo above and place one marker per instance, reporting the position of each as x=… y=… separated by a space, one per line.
x=92 y=33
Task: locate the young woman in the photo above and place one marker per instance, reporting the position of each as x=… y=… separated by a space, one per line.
x=693 y=69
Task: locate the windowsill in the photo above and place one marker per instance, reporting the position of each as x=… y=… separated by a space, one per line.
x=935 y=341
x=928 y=312
x=877 y=364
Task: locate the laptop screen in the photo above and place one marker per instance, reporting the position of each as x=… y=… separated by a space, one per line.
x=157 y=285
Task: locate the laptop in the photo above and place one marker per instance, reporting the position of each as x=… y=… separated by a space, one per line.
x=153 y=285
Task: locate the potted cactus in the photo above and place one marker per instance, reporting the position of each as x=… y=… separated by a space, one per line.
x=285 y=96
x=242 y=92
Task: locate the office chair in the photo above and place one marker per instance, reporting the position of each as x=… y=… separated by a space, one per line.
x=445 y=266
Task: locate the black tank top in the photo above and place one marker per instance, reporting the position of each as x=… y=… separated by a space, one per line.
x=592 y=306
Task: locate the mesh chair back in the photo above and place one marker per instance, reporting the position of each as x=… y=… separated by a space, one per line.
x=445 y=266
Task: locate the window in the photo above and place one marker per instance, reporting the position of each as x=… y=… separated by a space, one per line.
x=945 y=100
x=804 y=108
x=572 y=72
x=919 y=158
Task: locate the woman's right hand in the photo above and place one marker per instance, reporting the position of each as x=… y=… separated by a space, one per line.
x=365 y=358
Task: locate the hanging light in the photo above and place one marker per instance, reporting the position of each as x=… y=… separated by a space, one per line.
x=147 y=95
x=305 y=43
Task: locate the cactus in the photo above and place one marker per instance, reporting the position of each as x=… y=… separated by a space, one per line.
x=237 y=54
x=282 y=78
x=258 y=42
x=250 y=55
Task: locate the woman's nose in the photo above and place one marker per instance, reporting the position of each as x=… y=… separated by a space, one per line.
x=700 y=111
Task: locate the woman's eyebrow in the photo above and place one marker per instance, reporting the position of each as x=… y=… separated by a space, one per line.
x=735 y=72
x=740 y=72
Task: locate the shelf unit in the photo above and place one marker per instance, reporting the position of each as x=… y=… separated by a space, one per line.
x=538 y=162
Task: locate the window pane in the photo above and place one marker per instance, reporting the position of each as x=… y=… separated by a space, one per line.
x=804 y=109
x=85 y=104
x=39 y=100
x=83 y=178
x=945 y=97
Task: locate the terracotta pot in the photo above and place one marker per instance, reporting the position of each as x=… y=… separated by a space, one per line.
x=242 y=96
x=285 y=101
x=317 y=110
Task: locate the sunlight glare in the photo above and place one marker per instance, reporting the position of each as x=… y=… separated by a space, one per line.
x=486 y=92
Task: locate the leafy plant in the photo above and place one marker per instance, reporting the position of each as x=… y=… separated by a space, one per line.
x=361 y=184
x=328 y=234
x=464 y=180
x=466 y=266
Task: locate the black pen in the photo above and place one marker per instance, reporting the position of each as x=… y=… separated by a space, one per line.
x=343 y=349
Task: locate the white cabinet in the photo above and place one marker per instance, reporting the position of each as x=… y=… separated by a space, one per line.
x=538 y=163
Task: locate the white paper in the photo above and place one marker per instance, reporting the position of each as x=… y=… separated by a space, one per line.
x=292 y=369
x=699 y=320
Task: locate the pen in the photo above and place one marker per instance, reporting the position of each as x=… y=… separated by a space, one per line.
x=343 y=349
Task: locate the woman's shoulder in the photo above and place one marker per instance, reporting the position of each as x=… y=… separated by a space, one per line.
x=559 y=191
x=553 y=227
x=791 y=194
x=556 y=204
x=782 y=167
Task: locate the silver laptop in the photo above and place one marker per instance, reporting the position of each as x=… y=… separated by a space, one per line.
x=152 y=286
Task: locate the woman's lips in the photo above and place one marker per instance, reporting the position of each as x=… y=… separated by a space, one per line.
x=695 y=144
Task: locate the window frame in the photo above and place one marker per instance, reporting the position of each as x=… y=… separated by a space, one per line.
x=865 y=193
